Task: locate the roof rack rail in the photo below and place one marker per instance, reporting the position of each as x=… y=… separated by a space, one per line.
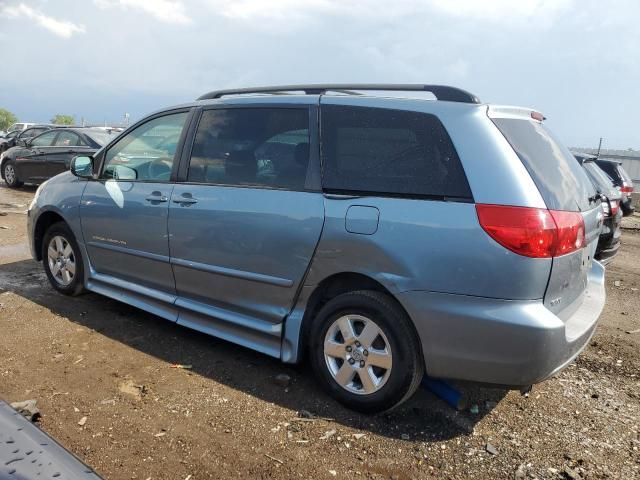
x=441 y=92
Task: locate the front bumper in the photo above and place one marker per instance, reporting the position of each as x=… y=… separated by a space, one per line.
x=512 y=343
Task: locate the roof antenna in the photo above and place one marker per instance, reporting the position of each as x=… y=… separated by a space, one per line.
x=599 y=146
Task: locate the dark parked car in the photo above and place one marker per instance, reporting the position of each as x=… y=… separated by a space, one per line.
x=20 y=137
x=609 y=241
x=50 y=153
x=6 y=142
x=622 y=181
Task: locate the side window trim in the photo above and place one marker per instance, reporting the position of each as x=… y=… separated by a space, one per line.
x=179 y=149
x=190 y=135
x=313 y=176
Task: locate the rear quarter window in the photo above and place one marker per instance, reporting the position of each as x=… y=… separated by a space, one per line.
x=557 y=174
x=383 y=151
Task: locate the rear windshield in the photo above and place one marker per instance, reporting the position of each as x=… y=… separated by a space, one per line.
x=389 y=152
x=608 y=167
x=101 y=137
x=601 y=180
x=559 y=177
x=625 y=176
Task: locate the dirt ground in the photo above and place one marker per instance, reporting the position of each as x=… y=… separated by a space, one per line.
x=227 y=417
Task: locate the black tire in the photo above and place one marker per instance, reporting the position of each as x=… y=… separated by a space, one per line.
x=76 y=284
x=11 y=180
x=407 y=368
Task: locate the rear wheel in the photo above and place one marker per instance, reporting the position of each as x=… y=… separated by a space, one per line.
x=365 y=351
x=62 y=260
x=10 y=175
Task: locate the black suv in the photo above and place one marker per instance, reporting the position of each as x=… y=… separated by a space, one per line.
x=622 y=181
x=609 y=241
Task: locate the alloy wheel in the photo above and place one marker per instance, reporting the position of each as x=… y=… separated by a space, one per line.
x=62 y=260
x=9 y=174
x=358 y=354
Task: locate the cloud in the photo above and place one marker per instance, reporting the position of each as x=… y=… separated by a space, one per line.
x=488 y=10
x=497 y=10
x=62 y=28
x=168 y=11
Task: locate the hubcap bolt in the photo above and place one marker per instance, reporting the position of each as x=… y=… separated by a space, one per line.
x=362 y=363
x=357 y=344
x=349 y=348
x=351 y=361
x=366 y=353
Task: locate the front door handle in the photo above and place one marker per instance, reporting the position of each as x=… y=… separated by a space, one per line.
x=185 y=199
x=156 y=197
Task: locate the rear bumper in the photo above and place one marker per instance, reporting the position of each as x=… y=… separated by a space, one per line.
x=513 y=343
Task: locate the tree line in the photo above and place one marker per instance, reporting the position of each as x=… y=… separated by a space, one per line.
x=7 y=119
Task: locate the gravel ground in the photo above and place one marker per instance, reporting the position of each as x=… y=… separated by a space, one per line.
x=228 y=417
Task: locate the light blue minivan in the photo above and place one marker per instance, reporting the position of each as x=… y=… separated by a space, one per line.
x=381 y=236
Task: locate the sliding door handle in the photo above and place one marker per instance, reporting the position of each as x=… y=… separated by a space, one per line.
x=185 y=199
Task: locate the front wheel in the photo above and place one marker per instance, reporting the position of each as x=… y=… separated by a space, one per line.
x=10 y=175
x=62 y=260
x=365 y=351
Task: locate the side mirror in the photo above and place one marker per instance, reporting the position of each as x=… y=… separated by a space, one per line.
x=82 y=166
x=21 y=142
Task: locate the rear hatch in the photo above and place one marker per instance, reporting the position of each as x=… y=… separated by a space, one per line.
x=564 y=186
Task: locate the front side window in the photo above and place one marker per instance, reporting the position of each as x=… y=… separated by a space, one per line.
x=266 y=147
x=384 y=151
x=44 y=140
x=148 y=152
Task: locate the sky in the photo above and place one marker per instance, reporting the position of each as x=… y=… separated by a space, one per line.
x=574 y=60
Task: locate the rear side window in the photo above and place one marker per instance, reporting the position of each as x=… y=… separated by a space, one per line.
x=559 y=177
x=383 y=151
x=67 y=139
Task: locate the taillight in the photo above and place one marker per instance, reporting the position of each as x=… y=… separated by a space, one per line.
x=570 y=227
x=533 y=232
x=614 y=207
x=626 y=188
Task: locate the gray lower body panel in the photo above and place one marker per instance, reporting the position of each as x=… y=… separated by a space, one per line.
x=26 y=452
x=503 y=342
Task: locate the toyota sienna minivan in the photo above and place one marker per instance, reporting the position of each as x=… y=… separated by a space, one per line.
x=382 y=238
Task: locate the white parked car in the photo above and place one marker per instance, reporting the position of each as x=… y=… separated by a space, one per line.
x=20 y=126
